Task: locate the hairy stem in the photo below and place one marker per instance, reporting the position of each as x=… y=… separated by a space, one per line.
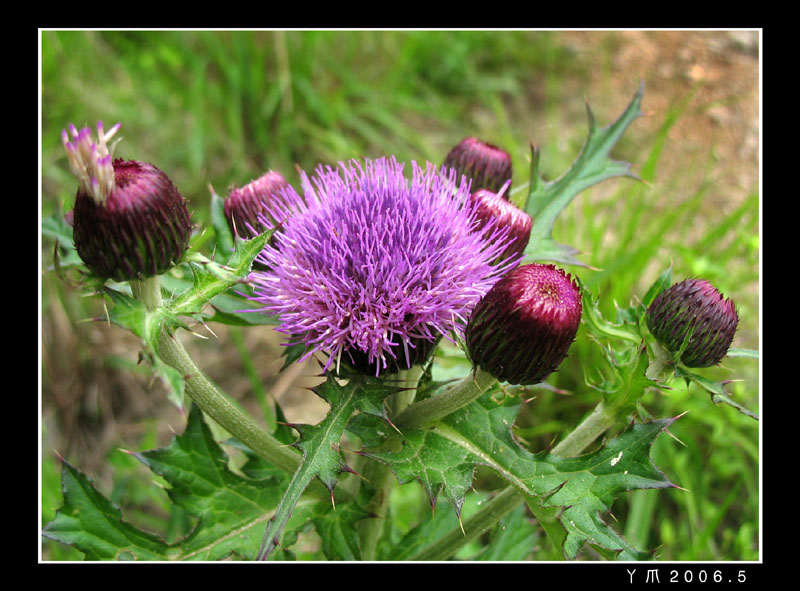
x=208 y=396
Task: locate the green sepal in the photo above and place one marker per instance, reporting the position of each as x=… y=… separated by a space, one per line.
x=546 y=200
x=664 y=281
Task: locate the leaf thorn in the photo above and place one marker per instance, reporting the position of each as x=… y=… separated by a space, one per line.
x=675 y=438
x=348 y=469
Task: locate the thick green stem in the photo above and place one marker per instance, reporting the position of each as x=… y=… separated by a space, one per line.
x=492 y=511
x=456 y=396
x=584 y=434
x=208 y=395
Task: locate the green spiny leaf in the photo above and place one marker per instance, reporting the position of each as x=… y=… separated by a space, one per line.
x=320 y=446
x=513 y=538
x=94 y=525
x=716 y=389
x=739 y=352
x=337 y=528
x=210 y=279
x=231 y=509
x=222 y=232
x=599 y=327
x=546 y=200
x=131 y=314
x=570 y=494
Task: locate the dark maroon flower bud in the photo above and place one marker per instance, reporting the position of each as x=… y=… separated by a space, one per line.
x=486 y=165
x=490 y=207
x=694 y=307
x=521 y=330
x=129 y=221
x=246 y=209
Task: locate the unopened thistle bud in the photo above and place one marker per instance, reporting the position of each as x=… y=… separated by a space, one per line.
x=493 y=206
x=129 y=221
x=521 y=330
x=488 y=166
x=246 y=209
x=695 y=310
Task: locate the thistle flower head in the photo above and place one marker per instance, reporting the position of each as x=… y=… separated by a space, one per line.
x=129 y=221
x=246 y=206
x=371 y=267
x=486 y=165
x=495 y=207
x=521 y=330
x=696 y=310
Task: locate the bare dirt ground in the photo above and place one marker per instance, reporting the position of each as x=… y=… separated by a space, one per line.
x=718 y=70
x=90 y=405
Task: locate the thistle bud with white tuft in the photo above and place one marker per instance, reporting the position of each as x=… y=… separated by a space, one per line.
x=129 y=221
x=521 y=330
x=693 y=316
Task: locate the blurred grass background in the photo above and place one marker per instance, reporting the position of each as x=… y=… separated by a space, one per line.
x=219 y=108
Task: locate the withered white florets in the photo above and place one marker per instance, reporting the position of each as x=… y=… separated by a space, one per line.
x=91 y=162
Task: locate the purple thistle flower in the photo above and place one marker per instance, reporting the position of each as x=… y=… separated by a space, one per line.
x=375 y=268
